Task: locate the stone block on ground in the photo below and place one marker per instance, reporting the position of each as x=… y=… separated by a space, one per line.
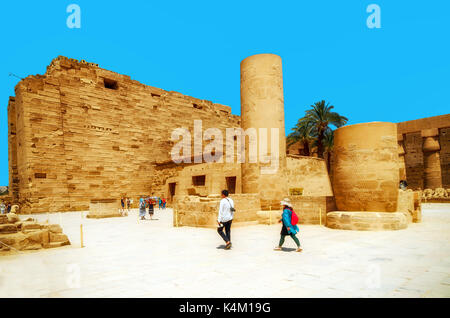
x=54 y=228
x=56 y=244
x=12 y=217
x=57 y=237
x=8 y=228
x=103 y=208
x=3 y=219
x=30 y=235
x=366 y=221
x=269 y=217
x=39 y=236
x=30 y=226
x=16 y=240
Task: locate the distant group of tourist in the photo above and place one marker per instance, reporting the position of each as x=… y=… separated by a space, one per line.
x=162 y=203
x=5 y=207
x=150 y=202
x=125 y=204
x=288 y=219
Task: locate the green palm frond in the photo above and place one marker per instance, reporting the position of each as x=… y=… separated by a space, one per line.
x=317 y=121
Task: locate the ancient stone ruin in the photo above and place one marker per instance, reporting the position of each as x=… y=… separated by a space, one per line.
x=80 y=137
x=16 y=234
x=103 y=208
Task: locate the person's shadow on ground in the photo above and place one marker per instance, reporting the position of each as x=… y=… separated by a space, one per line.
x=221 y=247
x=288 y=249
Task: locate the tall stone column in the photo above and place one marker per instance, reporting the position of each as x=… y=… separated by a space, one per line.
x=262 y=109
x=432 y=164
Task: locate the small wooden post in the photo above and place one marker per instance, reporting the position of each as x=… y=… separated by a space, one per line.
x=81 y=235
x=320 y=216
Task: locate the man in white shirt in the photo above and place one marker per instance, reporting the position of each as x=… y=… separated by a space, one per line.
x=225 y=217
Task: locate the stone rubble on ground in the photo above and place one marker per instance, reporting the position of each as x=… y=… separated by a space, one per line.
x=28 y=234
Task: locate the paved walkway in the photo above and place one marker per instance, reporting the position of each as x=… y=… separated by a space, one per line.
x=124 y=257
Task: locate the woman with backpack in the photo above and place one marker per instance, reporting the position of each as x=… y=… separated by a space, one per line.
x=150 y=208
x=142 y=208
x=289 y=220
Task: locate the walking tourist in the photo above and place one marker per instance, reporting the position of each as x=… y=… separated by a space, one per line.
x=164 y=203
x=142 y=208
x=225 y=218
x=2 y=207
x=122 y=204
x=150 y=208
x=8 y=207
x=160 y=203
x=128 y=205
x=403 y=184
x=290 y=228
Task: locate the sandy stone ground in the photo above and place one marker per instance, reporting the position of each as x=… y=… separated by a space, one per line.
x=124 y=257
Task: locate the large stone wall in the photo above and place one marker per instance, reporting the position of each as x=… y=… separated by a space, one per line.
x=309 y=174
x=444 y=141
x=215 y=174
x=202 y=212
x=414 y=160
x=80 y=132
x=12 y=151
x=103 y=208
x=311 y=208
x=426 y=143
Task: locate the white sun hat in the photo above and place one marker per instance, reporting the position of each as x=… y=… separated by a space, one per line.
x=287 y=202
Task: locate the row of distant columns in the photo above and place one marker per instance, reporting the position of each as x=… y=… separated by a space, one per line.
x=432 y=175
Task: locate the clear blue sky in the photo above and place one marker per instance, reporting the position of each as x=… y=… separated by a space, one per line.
x=397 y=73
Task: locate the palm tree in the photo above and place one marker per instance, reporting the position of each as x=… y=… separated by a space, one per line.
x=302 y=134
x=319 y=118
x=328 y=142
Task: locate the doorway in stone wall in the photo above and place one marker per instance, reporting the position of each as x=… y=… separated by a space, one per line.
x=231 y=184
x=172 y=190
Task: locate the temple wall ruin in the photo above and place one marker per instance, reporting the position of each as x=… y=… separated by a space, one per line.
x=202 y=211
x=83 y=132
x=309 y=174
x=207 y=178
x=426 y=144
x=12 y=151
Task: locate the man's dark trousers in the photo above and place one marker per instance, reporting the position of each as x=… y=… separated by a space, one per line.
x=227 y=235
